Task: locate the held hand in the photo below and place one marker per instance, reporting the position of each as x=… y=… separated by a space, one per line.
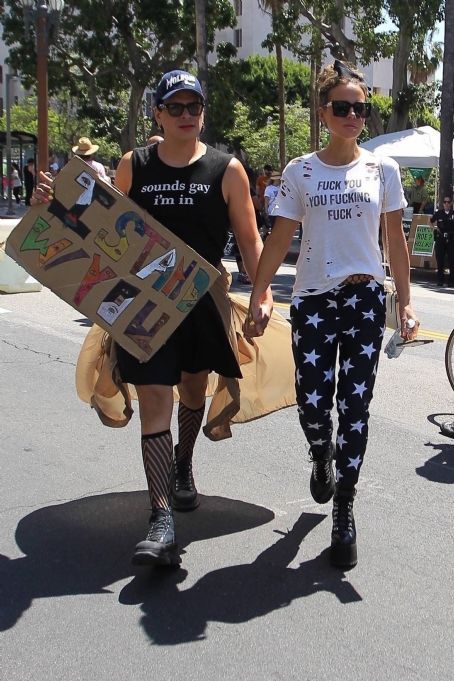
x=44 y=192
x=260 y=309
x=409 y=323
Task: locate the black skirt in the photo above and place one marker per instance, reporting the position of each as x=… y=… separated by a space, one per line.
x=198 y=344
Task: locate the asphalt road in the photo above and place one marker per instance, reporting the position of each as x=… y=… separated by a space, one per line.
x=255 y=597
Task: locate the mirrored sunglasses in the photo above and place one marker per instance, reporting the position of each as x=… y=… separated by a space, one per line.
x=342 y=108
x=176 y=109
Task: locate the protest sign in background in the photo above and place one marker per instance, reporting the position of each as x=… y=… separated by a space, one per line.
x=109 y=259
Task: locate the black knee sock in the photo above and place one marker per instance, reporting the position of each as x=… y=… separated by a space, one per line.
x=157 y=450
x=189 y=423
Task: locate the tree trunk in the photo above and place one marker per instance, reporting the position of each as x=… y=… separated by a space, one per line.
x=281 y=101
x=202 y=60
x=447 y=105
x=399 y=116
x=128 y=133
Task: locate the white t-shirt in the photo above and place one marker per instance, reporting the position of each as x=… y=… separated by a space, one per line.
x=96 y=165
x=271 y=191
x=340 y=208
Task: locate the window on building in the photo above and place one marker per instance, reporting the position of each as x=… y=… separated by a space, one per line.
x=238 y=6
x=16 y=100
x=1 y=74
x=1 y=106
x=238 y=37
x=376 y=90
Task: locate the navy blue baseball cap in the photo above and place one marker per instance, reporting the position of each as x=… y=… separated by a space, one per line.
x=177 y=81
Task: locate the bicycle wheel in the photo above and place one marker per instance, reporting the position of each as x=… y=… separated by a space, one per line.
x=449 y=359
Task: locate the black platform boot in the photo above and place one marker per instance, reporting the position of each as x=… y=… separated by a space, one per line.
x=159 y=547
x=322 y=484
x=184 y=492
x=343 y=536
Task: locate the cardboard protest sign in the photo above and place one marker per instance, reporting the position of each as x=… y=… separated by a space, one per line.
x=109 y=259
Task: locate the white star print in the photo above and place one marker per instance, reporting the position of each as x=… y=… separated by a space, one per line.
x=369 y=315
x=296 y=301
x=314 y=319
x=313 y=398
x=341 y=441
x=381 y=296
x=354 y=463
x=372 y=284
x=352 y=301
x=329 y=337
x=367 y=350
x=332 y=303
x=311 y=357
x=358 y=425
x=352 y=332
x=346 y=366
x=319 y=442
x=329 y=375
x=342 y=406
x=296 y=337
x=359 y=388
x=314 y=426
x=338 y=475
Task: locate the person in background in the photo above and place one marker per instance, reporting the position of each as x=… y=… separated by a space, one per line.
x=16 y=182
x=262 y=182
x=86 y=150
x=418 y=196
x=338 y=306
x=29 y=179
x=443 y=222
x=271 y=192
x=155 y=139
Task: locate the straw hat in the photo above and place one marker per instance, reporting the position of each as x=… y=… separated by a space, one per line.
x=85 y=147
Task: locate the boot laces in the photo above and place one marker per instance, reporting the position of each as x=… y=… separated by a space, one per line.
x=343 y=514
x=184 y=480
x=159 y=524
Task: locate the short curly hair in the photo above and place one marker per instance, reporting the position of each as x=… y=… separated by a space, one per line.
x=330 y=77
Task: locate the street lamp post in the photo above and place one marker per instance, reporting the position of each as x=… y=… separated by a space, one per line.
x=45 y=17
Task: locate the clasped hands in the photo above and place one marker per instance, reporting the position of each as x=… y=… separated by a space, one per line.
x=258 y=316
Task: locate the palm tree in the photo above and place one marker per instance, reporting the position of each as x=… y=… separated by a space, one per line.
x=447 y=105
x=275 y=7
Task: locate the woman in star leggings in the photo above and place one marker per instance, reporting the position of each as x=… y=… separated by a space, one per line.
x=339 y=193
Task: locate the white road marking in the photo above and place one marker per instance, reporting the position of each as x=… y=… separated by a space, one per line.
x=2 y=310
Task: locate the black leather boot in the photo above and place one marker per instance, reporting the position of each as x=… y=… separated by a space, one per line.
x=322 y=484
x=343 y=536
x=159 y=547
x=184 y=492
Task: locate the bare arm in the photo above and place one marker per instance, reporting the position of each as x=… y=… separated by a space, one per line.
x=123 y=176
x=274 y=252
x=235 y=187
x=400 y=265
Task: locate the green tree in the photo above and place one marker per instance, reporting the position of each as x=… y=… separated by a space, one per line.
x=252 y=81
x=414 y=20
x=261 y=143
x=107 y=47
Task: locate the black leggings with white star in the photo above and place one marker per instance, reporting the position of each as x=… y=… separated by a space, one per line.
x=347 y=322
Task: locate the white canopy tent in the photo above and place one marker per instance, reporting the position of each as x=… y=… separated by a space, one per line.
x=415 y=148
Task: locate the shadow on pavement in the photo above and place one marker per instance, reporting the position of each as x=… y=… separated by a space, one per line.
x=439 y=468
x=237 y=593
x=83 y=546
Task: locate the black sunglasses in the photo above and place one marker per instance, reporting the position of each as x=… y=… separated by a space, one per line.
x=175 y=109
x=342 y=108
x=446 y=200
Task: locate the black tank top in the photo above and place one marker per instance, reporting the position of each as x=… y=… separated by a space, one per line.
x=188 y=201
